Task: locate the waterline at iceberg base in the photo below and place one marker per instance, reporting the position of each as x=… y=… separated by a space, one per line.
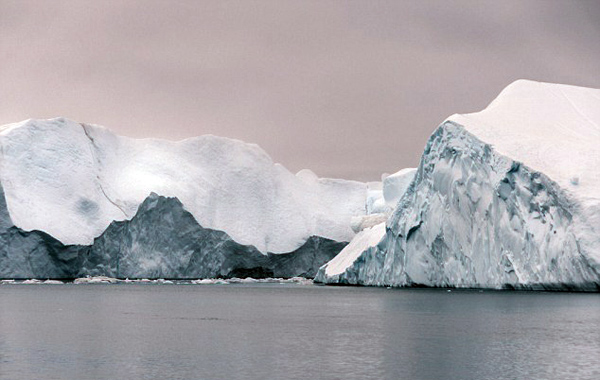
x=474 y=217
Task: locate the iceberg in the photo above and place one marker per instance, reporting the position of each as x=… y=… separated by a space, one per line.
x=508 y=197
x=77 y=200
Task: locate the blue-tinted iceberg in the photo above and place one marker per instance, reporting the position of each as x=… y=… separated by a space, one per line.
x=505 y=198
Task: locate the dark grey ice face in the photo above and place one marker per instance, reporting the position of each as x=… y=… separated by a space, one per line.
x=349 y=89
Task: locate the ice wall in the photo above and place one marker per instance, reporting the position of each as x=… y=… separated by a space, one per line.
x=162 y=240
x=72 y=180
x=476 y=216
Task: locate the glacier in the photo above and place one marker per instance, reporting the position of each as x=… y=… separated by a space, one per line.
x=78 y=200
x=508 y=197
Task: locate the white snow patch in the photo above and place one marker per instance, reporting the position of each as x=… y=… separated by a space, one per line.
x=369 y=237
x=360 y=223
x=552 y=128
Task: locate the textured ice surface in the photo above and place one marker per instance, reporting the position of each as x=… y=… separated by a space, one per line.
x=71 y=181
x=375 y=201
x=370 y=228
x=75 y=201
x=508 y=197
x=395 y=185
x=162 y=240
x=367 y=239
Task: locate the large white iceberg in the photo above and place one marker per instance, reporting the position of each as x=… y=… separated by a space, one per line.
x=72 y=181
x=507 y=197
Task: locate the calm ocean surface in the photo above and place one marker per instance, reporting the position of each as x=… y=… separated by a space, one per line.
x=291 y=331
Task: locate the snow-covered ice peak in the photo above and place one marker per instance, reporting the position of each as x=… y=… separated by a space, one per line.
x=72 y=180
x=553 y=128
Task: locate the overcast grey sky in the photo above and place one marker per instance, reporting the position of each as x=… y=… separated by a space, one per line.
x=348 y=89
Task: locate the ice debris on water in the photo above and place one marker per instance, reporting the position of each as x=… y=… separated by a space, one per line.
x=53 y=282
x=250 y=280
x=161 y=281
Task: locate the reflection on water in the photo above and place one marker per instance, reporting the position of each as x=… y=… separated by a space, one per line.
x=293 y=332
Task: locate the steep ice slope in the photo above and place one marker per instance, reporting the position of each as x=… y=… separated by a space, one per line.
x=370 y=228
x=508 y=197
x=365 y=241
x=71 y=181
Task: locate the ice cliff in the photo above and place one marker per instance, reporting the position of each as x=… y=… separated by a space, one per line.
x=505 y=198
x=370 y=228
x=77 y=199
